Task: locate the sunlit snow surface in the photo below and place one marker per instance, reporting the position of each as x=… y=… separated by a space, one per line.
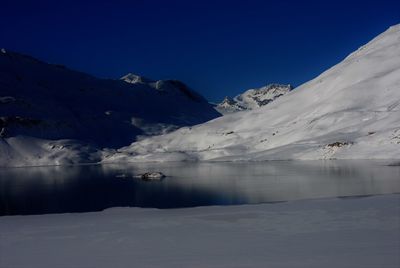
x=350 y=111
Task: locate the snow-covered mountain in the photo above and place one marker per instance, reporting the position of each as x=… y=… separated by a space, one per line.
x=253 y=98
x=169 y=87
x=51 y=115
x=351 y=110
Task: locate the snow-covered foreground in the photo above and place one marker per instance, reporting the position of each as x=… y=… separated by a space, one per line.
x=350 y=232
x=351 y=111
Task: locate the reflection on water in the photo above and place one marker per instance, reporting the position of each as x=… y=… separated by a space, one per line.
x=42 y=190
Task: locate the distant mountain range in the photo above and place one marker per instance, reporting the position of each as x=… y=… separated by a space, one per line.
x=51 y=115
x=253 y=98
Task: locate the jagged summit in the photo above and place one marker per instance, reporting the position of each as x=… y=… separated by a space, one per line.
x=228 y=101
x=169 y=86
x=253 y=98
x=134 y=78
x=229 y=105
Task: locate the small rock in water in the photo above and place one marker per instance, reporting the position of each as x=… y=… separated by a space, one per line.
x=149 y=176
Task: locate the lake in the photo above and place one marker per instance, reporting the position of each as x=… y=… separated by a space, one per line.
x=41 y=190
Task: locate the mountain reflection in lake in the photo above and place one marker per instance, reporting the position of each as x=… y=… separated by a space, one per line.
x=40 y=190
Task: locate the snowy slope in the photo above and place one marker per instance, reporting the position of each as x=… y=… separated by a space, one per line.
x=253 y=98
x=52 y=115
x=350 y=111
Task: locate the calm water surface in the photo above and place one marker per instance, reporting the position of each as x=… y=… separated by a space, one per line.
x=40 y=190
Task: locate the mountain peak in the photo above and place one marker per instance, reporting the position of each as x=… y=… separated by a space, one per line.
x=253 y=98
x=169 y=86
x=135 y=79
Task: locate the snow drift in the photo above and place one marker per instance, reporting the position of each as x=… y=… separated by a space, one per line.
x=350 y=111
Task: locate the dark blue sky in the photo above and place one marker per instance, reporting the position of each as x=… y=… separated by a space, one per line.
x=217 y=47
